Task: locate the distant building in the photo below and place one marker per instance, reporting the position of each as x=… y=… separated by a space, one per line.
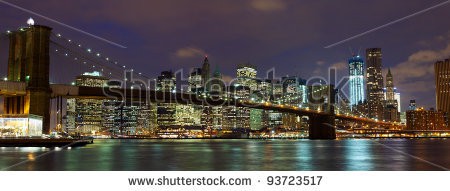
x=206 y=74
x=390 y=109
x=412 y=105
x=166 y=82
x=217 y=85
x=294 y=91
x=246 y=76
x=356 y=81
x=398 y=98
x=195 y=81
x=421 y=119
x=374 y=79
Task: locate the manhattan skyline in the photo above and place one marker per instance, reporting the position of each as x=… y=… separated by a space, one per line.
x=164 y=35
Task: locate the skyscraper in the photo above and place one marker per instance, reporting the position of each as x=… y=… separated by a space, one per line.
x=442 y=76
x=374 y=78
x=356 y=73
x=390 y=104
x=206 y=74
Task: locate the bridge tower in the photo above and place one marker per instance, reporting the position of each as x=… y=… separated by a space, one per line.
x=322 y=125
x=29 y=62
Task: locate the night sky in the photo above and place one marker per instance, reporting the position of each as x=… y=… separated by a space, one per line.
x=289 y=36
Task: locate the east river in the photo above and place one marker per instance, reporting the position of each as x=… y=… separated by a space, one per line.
x=237 y=154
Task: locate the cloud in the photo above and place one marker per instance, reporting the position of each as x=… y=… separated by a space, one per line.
x=268 y=5
x=340 y=65
x=189 y=52
x=320 y=62
x=415 y=76
x=419 y=65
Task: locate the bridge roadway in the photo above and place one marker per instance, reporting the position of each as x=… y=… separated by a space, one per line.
x=145 y=95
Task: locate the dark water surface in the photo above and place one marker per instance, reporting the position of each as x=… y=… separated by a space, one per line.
x=197 y=154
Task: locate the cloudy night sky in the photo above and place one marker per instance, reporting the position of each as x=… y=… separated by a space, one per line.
x=287 y=35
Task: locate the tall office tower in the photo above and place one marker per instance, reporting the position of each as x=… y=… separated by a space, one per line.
x=195 y=81
x=442 y=76
x=166 y=82
x=29 y=61
x=374 y=79
x=390 y=104
x=206 y=74
x=246 y=76
x=356 y=73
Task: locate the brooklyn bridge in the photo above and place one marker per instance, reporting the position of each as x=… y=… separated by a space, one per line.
x=27 y=88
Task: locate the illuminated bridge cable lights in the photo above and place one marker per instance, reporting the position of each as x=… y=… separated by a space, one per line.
x=84 y=57
x=83 y=60
x=98 y=55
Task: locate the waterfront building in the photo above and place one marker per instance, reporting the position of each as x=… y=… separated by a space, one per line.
x=20 y=125
x=85 y=116
x=421 y=119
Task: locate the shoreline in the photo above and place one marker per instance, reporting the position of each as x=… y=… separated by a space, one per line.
x=11 y=142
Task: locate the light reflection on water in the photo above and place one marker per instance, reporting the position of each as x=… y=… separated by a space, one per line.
x=196 y=154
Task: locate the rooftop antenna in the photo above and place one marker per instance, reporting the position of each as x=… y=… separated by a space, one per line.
x=351 y=51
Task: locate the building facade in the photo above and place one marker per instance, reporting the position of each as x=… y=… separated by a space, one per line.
x=390 y=109
x=421 y=119
x=374 y=79
x=442 y=78
x=166 y=82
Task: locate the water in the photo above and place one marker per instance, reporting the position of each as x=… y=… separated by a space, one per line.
x=135 y=155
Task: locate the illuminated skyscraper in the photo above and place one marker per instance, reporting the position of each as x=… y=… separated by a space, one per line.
x=390 y=104
x=246 y=76
x=374 y=79
x=356 y=73
x=442 y=76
